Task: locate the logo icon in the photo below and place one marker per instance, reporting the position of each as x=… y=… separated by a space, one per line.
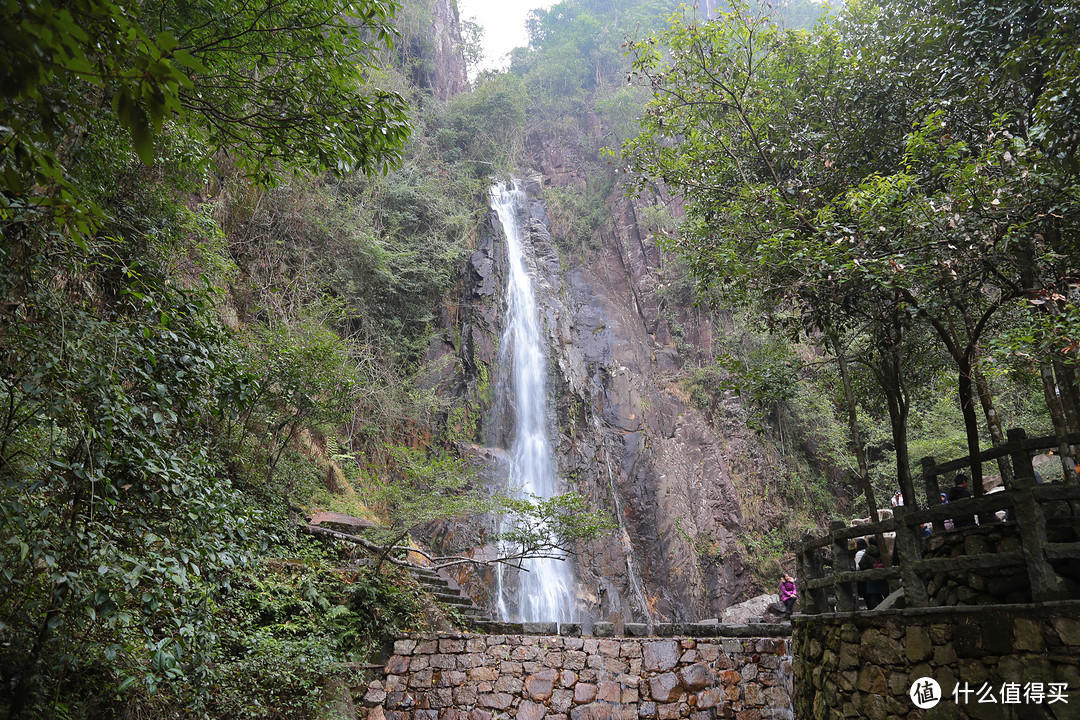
x=925 y=693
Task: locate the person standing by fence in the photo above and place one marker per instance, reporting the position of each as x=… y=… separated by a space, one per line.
x=788 y=593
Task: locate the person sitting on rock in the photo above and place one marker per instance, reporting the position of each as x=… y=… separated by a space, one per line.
x=788 y=593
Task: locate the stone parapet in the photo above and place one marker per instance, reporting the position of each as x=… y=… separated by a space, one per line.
x=464 y=676
x=863 y=665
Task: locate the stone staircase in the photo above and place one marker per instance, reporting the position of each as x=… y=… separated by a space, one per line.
x=447 y=592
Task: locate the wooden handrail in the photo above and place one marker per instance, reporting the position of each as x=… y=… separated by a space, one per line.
x=821 y=568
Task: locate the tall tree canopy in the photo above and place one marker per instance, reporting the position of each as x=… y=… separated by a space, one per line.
x=868 y=176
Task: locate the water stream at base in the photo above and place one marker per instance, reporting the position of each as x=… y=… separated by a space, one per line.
x=543 y=591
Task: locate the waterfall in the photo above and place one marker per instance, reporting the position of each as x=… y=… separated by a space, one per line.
x=544 y=585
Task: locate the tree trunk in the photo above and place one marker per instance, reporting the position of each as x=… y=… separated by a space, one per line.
x=993 y=423
x=1057 y=414
x=856 y=438
x=898 y=415
x=966 y=391
x=1066 y=382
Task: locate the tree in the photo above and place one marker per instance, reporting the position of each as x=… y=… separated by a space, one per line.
x=822 y=172
x=273 y=83
x=413 y=489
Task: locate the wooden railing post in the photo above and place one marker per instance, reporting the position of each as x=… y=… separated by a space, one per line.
x=933 y=488
x=1021 y=458
x=1030 y=519
x=841 y=562
x=909 y=551
x=816 y=600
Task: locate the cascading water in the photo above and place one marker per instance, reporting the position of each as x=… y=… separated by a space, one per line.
x=544 y=585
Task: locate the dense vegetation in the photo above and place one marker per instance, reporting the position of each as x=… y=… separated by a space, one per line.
x=212 y=313
x=212 y=310
x=868 y=186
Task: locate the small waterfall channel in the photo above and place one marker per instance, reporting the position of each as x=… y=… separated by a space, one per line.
x=543 y=591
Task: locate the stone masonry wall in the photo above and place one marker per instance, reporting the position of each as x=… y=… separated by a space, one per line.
x=454 y=676
x=863 y=665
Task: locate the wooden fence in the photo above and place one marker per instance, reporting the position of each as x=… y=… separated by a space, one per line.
x=826 y=575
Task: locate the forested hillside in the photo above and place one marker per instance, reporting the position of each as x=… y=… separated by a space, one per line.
x=248 y=274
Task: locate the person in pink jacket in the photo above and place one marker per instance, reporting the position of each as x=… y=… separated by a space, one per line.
x=788 y=593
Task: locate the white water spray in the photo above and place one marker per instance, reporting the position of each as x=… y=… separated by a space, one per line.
x=544 y=592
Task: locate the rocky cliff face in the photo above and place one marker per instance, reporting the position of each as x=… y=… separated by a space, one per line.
x=442 y=66
x=624 y=431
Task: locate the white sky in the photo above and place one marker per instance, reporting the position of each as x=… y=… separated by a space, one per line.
x=504 y=25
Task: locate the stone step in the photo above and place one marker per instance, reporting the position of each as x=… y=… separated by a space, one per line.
x=453 y=599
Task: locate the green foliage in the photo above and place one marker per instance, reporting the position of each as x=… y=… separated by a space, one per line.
x=118 y=517
x=281 y=84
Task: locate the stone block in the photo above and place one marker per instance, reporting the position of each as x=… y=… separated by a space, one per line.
x=1068 y=629
x=568 y=678
x=554 y=659
x=397 y=665
x=427 y=648
x=573 y=643
x=630 y=649
x=525 y=652
x=478 y=714
x=647 y=710
x=451 y=646
x=666 y=687
x=609 y=691
x=465 y=695
x=708 y=698
x=878 y=648
x=443 y=662
x=575 y=659
x=872 y=680
x=482 y=674
x=709 y=652
x=570 y=629
x=584 y=693
x=730 y=677
x=614 y=665
x=404 y=647
x=562 y=700
x=752 y=694
x=671 y=711
x=917 y=644
x=540 y=685
x=421 y=679
x=375 y=695
x=1028 y=635
x=419 y=662
x=540 y=628
x=636 y=629
x=507 y=684
x=529 y=710
x=603 y=629
x=470 y=660
x=496 y=700
x=592 y=711
x=451 y=678
x=660 y=655
x=609 y=648
x=441 y=697
x=696 y=676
